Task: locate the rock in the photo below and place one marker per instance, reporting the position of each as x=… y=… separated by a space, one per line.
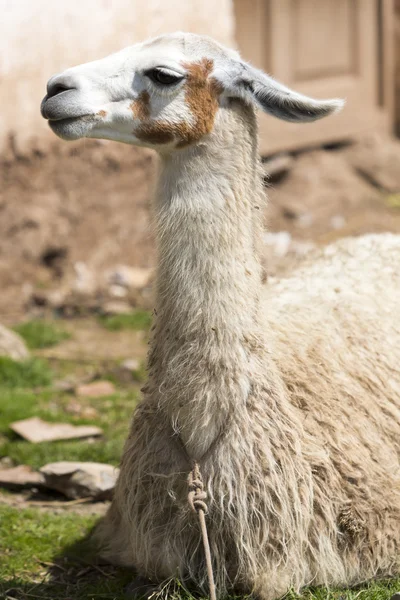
x=73 y=407
x=128 y=371
x=276 y=167
x=84 y=279
x=96 y=389
x=12 y=345
x=81 y=479
x=305 y=220
x=56 y=298
x=130 y=364
x=20 y=477
x=89 y=412
x=36 y=430
x=65 y=385
x=86 y=412
x=117 y=291
x=129 y=277
x=116 y=307
x=395 y=596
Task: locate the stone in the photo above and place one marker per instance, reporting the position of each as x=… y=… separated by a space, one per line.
x=395 y=596
x=97 y=389
x=89 y=412
x=81 y=479
x=20 y=477
x=73 y=407
x=12 y=345
x=117 y=291
x=84 y=279
x=116 y=307
x=36 y=430
x=130 y=277
x=130 y=364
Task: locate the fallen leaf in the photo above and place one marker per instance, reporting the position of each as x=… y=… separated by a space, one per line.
x=36 y=430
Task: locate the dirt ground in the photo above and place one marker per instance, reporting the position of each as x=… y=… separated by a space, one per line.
x=78 y=203
x=89 y=204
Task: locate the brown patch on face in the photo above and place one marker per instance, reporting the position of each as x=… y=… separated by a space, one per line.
x=201 y=95
x=141 y=106
x=156 y=132
x=102 y=113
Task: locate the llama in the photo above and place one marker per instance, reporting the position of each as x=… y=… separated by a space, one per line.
x=288 y=395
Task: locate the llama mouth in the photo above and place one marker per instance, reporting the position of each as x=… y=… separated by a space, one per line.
x=72 y=128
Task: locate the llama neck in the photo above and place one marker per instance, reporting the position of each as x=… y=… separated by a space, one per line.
x=209 y=278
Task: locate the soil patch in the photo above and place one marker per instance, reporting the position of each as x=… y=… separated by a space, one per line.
x=80 y=203
x=69 y=215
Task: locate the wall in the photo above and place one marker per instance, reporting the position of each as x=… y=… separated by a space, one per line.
x=39 y=38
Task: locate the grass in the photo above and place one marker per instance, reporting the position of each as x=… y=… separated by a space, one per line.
x=41 y=334
x=47 y=556
x=137 y=320
x=42 y=556
x=113 y=412
x=29 y=373
x=41 y=553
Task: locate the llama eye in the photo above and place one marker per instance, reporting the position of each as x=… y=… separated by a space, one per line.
x=163 y=77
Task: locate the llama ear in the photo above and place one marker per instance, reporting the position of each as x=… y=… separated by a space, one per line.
x=278 y=100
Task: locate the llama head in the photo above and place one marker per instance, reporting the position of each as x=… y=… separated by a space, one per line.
x=165 y=94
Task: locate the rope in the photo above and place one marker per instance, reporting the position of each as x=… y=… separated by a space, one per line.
x=197 y=497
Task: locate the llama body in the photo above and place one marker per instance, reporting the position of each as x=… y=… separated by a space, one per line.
x=288 y=396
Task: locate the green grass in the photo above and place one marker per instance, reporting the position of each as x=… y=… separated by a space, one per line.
x=29 y=373
x=47 y=556
x=114 y=415
x=41 y=334
x=30 y=536
x=139 y=319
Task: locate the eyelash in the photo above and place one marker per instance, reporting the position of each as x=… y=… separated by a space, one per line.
x=154 y=76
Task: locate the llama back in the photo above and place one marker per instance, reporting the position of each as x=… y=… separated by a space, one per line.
x=336 y=342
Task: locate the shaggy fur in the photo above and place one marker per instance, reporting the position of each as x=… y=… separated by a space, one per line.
x=304 y=479
x=288 y=396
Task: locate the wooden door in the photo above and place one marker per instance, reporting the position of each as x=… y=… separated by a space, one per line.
x=325 y=49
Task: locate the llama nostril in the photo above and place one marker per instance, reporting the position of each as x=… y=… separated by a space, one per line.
x=58 y=85
x=57 y=89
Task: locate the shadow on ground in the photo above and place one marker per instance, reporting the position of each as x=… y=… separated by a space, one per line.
x=74 y=574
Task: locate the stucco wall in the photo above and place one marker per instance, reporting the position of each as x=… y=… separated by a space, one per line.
x=41 y=37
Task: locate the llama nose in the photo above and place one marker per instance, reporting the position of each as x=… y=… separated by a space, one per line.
x=61 y=83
